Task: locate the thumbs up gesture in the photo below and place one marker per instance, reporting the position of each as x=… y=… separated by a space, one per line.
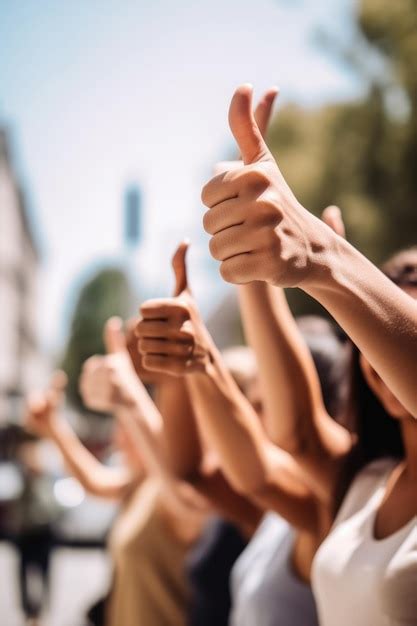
x=262 y=116
x=171 y=335
x=108 y=381
x=259 y=229
x=42 y=408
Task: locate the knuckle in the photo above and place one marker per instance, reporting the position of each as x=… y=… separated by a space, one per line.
x=208 y=222
x=257 y=176
x=181 y=313
x=149 y=362
x=206 y=193
x=226 y=272
x=187 y=348
x=142 y=346
x=266 y=212
x=215 y=248
x=187 y=331
x=270 y=238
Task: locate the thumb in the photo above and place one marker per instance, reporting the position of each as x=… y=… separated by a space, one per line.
x=244 y=127
x=332 y=216
x=57 y=385
x=264 y=108
x=114 y=339
x=179 y=266
x=59 y=381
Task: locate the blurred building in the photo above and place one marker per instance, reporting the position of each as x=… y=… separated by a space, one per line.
x=132 y=216
x=20 y=361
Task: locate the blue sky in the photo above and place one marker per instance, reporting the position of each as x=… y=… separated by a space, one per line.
x=99 y=94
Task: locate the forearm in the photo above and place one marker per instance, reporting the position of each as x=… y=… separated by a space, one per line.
x=253 y=466
x=183 y=451
x=147 y=440
x=288 y=378
x=232 y=505
x=230 y=425
x=94 y=476
x=378 y=316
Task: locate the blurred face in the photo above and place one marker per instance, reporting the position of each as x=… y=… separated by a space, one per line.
x=380 y=389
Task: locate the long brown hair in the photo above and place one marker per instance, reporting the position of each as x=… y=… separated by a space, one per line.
x=378 y=433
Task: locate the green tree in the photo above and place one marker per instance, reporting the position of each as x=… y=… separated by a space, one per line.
x=362 y=155
x=104 y=295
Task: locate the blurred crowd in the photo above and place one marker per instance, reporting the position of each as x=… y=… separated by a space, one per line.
x=270 y=483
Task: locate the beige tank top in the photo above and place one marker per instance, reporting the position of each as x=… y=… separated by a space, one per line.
x=149 y=587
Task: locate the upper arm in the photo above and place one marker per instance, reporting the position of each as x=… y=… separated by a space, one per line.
x=285 y=491
x=232 y=505
x=108 y=482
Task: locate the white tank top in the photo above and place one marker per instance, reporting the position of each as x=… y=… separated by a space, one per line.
x=265 y=590
x=358 y=579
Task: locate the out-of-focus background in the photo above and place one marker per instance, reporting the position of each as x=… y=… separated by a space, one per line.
x=111 y=117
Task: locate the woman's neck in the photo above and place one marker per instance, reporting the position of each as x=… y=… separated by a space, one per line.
x=409 y=433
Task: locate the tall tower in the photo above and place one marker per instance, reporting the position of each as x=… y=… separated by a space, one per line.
x=132 y=217
x=132 y=238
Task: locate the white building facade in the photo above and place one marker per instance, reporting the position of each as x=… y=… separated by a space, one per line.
x=20 y=362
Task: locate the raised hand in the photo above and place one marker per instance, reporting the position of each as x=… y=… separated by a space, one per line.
x=259 y=229
x=262 y=114
x=42 y=408
x=110 y=380
x=171 y=335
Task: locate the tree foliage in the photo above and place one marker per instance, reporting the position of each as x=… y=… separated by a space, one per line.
x=106 y=294
x=362 y=155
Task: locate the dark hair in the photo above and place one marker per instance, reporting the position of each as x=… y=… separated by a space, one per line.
x=401 y=268
x=378 y=433
x=328 y=346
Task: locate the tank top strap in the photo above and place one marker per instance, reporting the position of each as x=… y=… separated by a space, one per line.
x=364 y=486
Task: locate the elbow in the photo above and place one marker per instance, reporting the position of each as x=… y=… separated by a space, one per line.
x=252 y=485
x=291 y=440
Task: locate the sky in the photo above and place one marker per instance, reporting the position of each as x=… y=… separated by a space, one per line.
x=99 y=94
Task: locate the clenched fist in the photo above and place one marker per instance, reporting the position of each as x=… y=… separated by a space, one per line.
x=259 y=229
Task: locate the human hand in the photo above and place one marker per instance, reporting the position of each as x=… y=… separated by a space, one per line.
x=110 y=380
x=171 y=334
x=259 y=229
x=263 y=113
x=41 y=414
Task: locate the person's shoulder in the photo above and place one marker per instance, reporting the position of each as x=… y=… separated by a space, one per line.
x=399 y=585
x=379 y=467
x=364 y=485
x=373 y=474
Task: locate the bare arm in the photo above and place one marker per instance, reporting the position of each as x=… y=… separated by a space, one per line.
x=96 y=478
x=261 y=232
x=42 y=417
x=378 y=316
x=183 y=446
x=174 y=340
x=252 y=464
x=289 y=381
x=295 y=413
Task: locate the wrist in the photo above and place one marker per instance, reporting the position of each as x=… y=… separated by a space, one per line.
x=56 y=428
x=335 y=270
x=329 y=259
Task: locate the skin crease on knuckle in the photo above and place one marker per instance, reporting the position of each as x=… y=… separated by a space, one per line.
x=237 y=269
x=232 y=241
